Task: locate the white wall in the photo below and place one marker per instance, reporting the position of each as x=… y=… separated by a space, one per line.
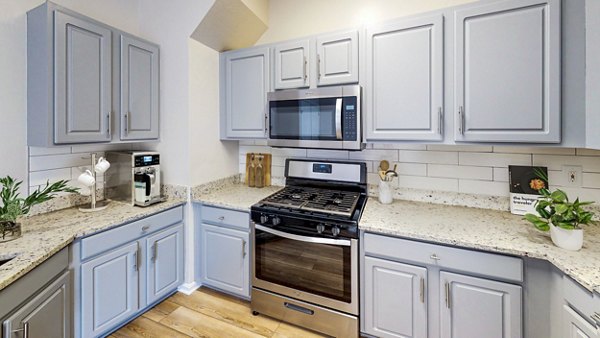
x=290 y=19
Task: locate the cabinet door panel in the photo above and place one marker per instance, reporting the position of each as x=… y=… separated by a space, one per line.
x=139 y=89
x=46 y=315
x=246 y=86
x=225 y=259
x=508 y=89
x=576 y=326
x=165 y=262
x=291 y=65
x=109 y=287
x=474 y=307
x=405 y=80
x=395 y=299
x=82 y=61
x=337 y=58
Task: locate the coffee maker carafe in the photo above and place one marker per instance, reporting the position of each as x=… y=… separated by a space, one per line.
x=136 y=177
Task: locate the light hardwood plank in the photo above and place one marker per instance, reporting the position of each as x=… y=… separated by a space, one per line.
x=196 y=324
x=290 y=331
x=143 y=327
x=161 y=310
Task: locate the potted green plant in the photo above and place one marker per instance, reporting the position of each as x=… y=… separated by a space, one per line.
x=13 y=206
x=561 y=217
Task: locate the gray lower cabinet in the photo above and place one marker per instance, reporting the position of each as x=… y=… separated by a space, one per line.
x=225 y=259
x=245 y=82
x=575 y=326
x=404 y=85
x=165 y=263
x=337 y=58
x=395 y=301
x=508 y=89
x=39 y=304
x=139 y=84
x=110 y=289
x=291 y=64
x=125 y=270
x=476 y=307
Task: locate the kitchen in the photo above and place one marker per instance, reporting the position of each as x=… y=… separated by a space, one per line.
x=421 y=111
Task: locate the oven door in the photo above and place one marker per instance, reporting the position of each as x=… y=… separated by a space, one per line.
x=317 y=270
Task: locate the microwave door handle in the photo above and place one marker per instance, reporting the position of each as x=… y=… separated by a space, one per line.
x=316 y=240
x=338 y=118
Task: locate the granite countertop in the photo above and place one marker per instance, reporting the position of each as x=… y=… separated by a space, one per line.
x=482 y=229
x=46 y=234
x=236 y=196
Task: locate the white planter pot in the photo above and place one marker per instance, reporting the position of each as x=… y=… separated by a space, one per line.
x=566 y=239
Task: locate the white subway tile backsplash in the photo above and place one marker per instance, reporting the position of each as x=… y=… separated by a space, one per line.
x=534 y=150
x=97 y=148
x=483 y=187
x=288 y=152
x=438 y=157
x=332 y=154
x=493 y=159
x=374 y=155
x=39 y=163
x=41 y=177
x=590 y=164
x=587 y=152
x=443 y=147
x=590 y=180
x=501 y=174
x=410 y=169
x=456 y=171
x=36 y=151
x=403 y=146
x=428 y=183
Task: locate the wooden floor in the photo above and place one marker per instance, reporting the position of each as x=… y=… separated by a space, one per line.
x=207 y=313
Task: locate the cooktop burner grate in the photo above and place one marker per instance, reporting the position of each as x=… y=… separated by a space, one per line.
x=336 y=202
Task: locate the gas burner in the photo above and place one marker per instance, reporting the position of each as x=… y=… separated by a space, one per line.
x=319 y=200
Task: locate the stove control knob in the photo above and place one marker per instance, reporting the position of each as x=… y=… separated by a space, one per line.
x=335 y=231
x=320 y=228
x=264 y=219
x=276 y=220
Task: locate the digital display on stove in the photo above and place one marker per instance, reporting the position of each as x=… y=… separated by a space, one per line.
x=322 y=168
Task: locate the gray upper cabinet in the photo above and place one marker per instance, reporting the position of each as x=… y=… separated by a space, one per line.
x=139 y=84
x=165 y=262
x=244 y=85
x=507 y=72
x=292 y=64
x=110 y=286
x=337 y=58
x=404 y=80
x=474 y=307
x=47 y=315
x=76 y=91
x=395 y=299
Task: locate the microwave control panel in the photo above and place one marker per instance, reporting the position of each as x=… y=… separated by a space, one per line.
x=350 y=122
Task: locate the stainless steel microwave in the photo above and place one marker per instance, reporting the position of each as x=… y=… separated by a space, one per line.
x=326 y=118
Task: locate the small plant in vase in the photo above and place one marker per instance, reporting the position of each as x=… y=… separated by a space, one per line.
x=562 y=218
x=13 y=206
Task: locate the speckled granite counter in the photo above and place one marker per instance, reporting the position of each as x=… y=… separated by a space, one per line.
x=489 y=230
x=46 y=234
x=235 y=196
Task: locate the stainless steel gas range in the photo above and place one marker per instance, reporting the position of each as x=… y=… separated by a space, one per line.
x=305 y=247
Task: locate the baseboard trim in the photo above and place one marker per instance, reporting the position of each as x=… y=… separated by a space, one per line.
x=188 y=288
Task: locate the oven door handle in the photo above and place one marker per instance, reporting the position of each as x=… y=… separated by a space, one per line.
x=317 y=240
x=338 y=118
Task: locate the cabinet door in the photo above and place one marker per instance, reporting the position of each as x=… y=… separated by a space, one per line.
x=165 y=262
x=109 y=289
x=292 y=65
x=508 y=88
x=225 y=259
x=337 y=58
x=576 y=326
x=405 y=72
x=47 y=315
x=246 y=82
x=473 y=308
x=82 y=77
x=395 y=304
x=139 y=107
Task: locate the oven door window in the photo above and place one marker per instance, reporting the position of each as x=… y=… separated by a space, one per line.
x=311 y=119
x=320 y=269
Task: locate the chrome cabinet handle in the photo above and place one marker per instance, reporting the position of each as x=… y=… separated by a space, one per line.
x=422 y=290
x=435 y=257
x=126 y=116
x=319 y=66
x=155 y=251
x=305 y=74
x=221 y=218
x=441 y=121
x=243 y=248
x=447 y=287
x=266 y=124
x=137 y=255
x=108 y=126
x=338 y=119
x=596 y=318
x=24 y=329
x=145 y=228
x=461 y=120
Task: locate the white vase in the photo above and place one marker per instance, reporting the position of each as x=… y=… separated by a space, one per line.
x=385 y=192
x=566 y=239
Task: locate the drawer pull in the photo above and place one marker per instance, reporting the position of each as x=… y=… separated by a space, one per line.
x=299 y=308
x=221 y=218
x=435 y=257
x=243 y=248
x=145 y=228
x=596 y=318
x=447 y=287
x=422 y=290
x=24 y=329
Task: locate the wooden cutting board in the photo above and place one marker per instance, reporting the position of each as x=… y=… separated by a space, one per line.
x=266 y=165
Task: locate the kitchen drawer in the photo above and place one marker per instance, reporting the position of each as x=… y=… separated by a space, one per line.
x=220 y=216
x=93 y=245
x=581 y=299
x=469 y=261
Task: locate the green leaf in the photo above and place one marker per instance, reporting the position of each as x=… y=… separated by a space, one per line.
x=559 y=196
x=537 y=222
x=561 y=208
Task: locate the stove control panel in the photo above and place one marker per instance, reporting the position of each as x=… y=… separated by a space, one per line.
x=310 y=227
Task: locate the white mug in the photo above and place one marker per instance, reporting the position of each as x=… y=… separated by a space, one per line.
x=87 y=178
x=102 y=166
